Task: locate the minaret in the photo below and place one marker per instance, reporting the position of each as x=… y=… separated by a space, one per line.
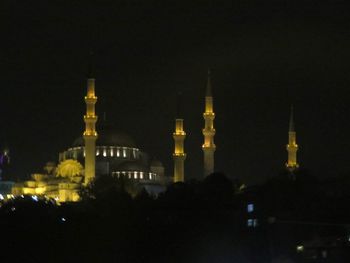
x=208 y=131
x=292 y=146
x=90 y=134
x=179 y=136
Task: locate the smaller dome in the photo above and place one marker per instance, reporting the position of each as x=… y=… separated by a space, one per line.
x=69 y=168
x=132 y=166
x=156 y=163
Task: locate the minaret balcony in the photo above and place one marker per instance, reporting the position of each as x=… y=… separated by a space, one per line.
x=209 y=132
x=209 y=146
x=209 y=115
x=292 y=165
x=88 y=134
x=179 y=136
x=179 y=133
x=179 y=156
x=90 y=117
x=90 y=99
x=292 y=147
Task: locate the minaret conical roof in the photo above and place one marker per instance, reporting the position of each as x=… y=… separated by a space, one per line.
x=208 y=92
x=179 y=110
x=91 y=70
x=291 y=119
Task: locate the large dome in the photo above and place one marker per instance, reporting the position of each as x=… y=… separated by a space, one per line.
x=132 y=166
x=109 y=136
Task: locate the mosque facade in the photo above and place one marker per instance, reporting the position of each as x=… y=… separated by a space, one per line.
x=292 y=146
x=103 y=150
x=108 y=152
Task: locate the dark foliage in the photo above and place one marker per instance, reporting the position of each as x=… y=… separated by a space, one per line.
x=190 y=222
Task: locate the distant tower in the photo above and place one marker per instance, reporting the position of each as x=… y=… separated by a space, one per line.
x=208 y=131
x=90 y=134
x=292 y=146
x=179 y=136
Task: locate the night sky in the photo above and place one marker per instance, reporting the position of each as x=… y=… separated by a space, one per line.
x=264 y=56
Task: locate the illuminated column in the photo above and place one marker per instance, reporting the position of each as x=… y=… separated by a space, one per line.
x=90 y=134
x=179 y=155
x=292 y=146
x=208 y=131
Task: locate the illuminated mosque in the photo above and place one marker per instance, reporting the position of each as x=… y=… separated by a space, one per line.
x=105 y=151
x=108 y=152
x=292 y=146
x=209 y=146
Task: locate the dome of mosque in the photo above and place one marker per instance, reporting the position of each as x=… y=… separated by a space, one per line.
x=156 y=162
x=109 y=136
x=69 y=168
x=132 y=166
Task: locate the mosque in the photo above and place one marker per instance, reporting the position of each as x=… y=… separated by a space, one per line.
x=106 y=151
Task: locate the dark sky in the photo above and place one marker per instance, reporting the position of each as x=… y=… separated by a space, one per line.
x=264 y=55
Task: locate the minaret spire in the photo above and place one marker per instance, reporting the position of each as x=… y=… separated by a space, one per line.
x=292 y=146
x=208 y=91
x=291 y=119
x=208 y=131
x=90 y=134
x=91 y=71
x=179 y=136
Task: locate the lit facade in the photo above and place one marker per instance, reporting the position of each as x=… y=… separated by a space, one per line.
x=90 y=134
x=208 y=131
x=179 y=154
x=292 y=146
x=117 y=154
x=110 y=153
x=61 y=182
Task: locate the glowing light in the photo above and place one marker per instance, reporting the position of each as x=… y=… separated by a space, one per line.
x=104 y=152
x=35 y=198
x=1 y=197
x=124 y=152
x=118 y=153
x=250 y=222
x=300 y=249
x=63 y=219
x=112 y=152
x=135 y=175
x=13 y=209
x=250 y=208
x=68 y=168
x=141 y=175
